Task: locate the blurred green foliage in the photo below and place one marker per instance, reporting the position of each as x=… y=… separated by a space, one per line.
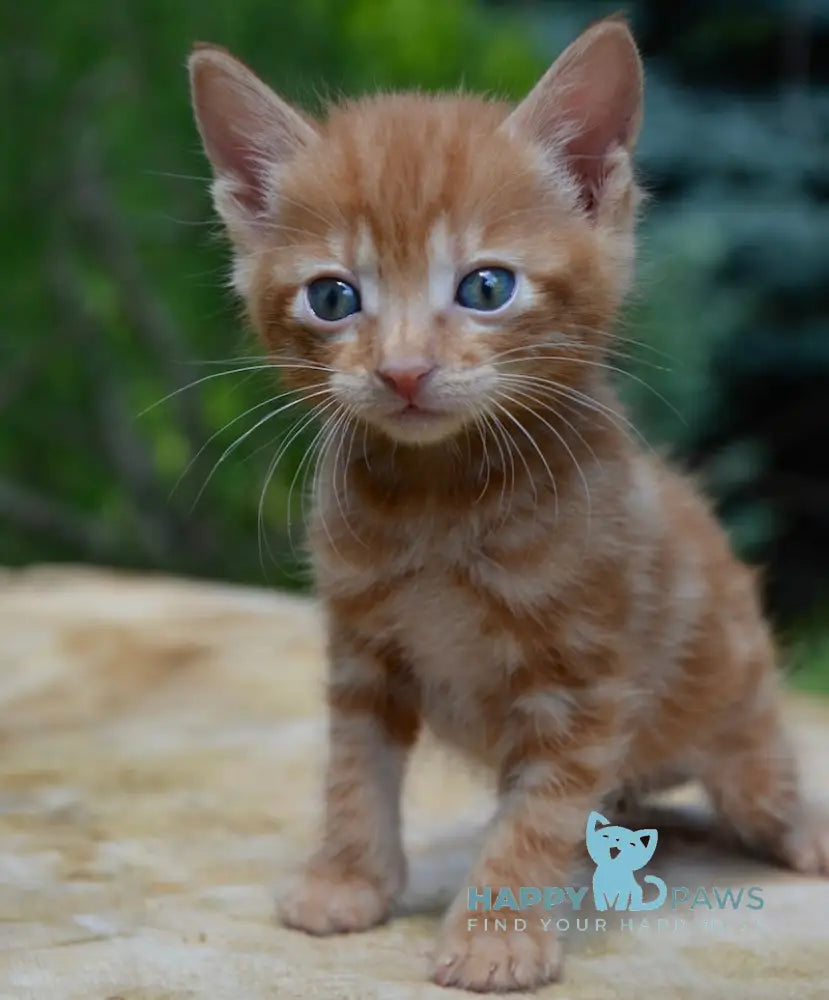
x=114 y=269
x=807 y=657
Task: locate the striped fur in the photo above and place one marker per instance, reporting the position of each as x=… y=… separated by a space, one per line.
x=544 y=596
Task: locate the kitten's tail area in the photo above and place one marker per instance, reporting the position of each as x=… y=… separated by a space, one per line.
x=661 y=896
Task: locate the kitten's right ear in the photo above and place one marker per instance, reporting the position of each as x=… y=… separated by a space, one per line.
x=248 y=132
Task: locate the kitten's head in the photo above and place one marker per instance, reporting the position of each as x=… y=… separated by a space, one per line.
x=632 y=848
x=426 y=251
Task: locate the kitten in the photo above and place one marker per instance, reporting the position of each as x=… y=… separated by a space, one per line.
x=496 y=557
x=619 y=852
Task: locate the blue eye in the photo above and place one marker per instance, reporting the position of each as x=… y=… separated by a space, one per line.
x=332 y=299
x=486 y=289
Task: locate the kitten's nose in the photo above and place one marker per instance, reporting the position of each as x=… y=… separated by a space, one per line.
x=406 y=377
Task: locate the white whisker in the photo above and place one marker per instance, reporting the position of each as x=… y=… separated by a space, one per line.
x=532 y=441
x=590 y=362
x=230 y=423
x=215 y=375
x=306 y=462
x=560 y=437
x=499 y=434
x=289 y=437
x=321 y=458
x=341 y=428
x=485 y=456
x=243 y=437
x=588 y=402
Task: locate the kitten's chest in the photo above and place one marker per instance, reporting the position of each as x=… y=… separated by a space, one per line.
x=422 y=596
x=461 y=663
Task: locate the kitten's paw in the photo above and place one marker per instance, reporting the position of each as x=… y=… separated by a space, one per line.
x=323 y=902
x=806 y=848
x=491 y=961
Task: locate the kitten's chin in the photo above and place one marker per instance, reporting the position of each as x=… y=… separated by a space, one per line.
x=421 y=427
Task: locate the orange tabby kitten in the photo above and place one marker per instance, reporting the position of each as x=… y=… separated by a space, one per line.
x=496 y=557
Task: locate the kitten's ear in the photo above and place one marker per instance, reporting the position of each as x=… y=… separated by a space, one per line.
x=247 y=132
x=588 y=105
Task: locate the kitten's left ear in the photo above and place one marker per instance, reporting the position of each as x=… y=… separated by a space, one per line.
x=588 y=106
x=248 y=132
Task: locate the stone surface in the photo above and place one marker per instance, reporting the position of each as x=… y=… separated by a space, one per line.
x=161 y=745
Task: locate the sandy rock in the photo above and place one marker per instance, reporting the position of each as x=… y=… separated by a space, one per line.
x=161 y=747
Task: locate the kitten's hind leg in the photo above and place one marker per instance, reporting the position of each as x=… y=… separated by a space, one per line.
x=623 y=802
x=751 y=777
x=629 y=802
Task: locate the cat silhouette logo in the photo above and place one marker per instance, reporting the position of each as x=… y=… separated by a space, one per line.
x=618 y=853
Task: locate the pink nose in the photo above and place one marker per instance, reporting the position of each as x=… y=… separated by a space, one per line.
x=406 y=378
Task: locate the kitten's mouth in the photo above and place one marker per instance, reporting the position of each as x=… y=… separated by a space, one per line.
x=414 y=412
x=614 y=853
x=417 y=424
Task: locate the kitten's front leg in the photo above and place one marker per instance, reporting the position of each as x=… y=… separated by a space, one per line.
x=352 y=879
x=551 y=777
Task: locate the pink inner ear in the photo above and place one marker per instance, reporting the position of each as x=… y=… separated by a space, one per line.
x=588 y=103
x=599 y=130
x=251 y=192
x=241 y=162
x=228 y=130
x=245 y=126
x=602 y=118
